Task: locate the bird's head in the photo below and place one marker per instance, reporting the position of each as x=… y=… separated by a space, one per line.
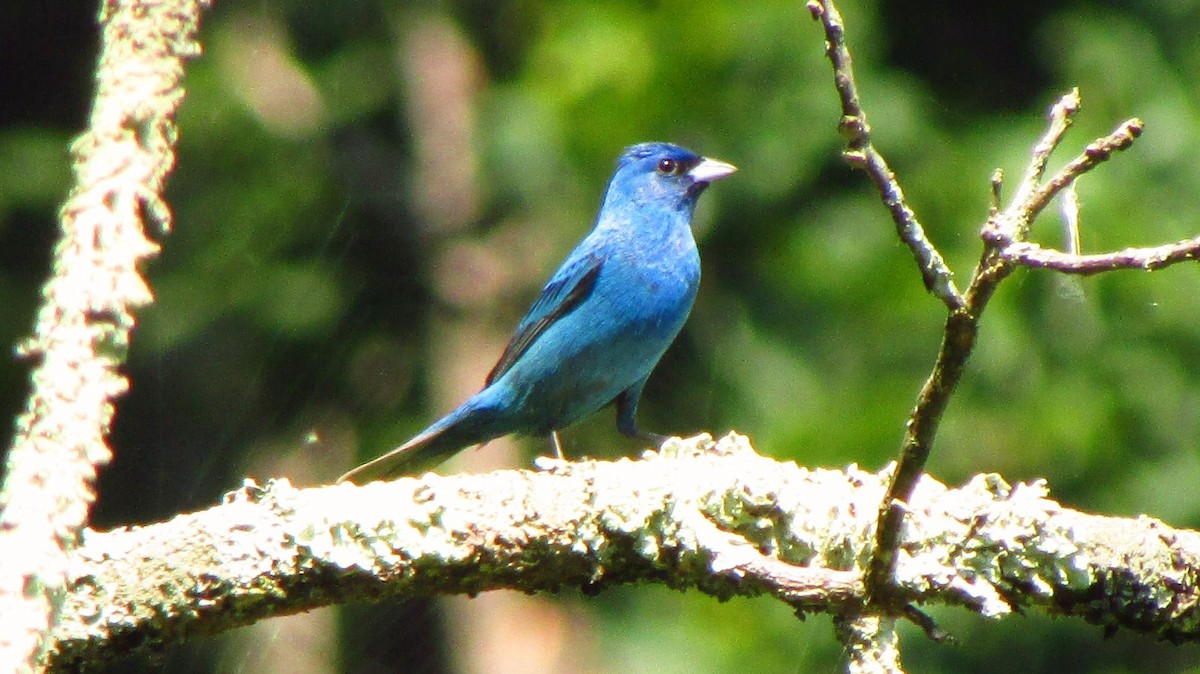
x=665 y=174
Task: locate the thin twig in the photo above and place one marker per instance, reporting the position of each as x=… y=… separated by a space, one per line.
x=1002 y=234
x=928 y=625
x=1146 y=259
x=1096 y=152
x=1062 y=114
x=938 y=277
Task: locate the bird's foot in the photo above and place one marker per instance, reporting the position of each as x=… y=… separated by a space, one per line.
x=654 y=439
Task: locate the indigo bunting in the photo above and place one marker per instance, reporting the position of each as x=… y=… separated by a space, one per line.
x=600 y=325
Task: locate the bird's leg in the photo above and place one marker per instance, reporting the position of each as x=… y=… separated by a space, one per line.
x=627 y=403
x=557 y=442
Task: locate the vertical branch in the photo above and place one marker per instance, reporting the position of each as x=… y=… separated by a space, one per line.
x=82 y=328
x=961 y=324
x=1003 y=230
x=1004 y=238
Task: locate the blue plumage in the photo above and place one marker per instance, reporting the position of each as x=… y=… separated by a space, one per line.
x=601 y=323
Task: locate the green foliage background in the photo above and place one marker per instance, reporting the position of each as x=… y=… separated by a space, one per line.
x=304 y=294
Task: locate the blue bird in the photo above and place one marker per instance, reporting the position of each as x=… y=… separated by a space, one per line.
x=600 y=325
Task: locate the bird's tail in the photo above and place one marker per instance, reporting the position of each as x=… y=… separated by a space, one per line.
x=477 y=420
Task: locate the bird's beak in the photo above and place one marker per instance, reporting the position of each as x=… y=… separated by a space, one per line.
x=709 y=170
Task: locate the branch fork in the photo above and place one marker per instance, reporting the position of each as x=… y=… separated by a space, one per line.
x=1005 y=248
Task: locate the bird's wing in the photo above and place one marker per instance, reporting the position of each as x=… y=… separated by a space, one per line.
x=570 y=286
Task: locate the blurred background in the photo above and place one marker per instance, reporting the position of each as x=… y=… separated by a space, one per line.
x=369 y=194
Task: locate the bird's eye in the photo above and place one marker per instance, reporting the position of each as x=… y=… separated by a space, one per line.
x=668 y=166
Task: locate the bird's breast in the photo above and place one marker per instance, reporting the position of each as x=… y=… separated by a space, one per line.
x=611 y=340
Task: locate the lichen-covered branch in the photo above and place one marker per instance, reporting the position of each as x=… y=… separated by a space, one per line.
x=710 y=516
x=83 y=325
x=870 y=643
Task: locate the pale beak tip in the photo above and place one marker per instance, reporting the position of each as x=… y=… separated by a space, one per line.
x=709 y=170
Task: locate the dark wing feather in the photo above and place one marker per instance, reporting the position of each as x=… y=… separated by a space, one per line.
x=570 y=286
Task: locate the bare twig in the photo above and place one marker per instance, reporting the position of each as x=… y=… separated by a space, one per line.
x=1004 y=248
x=1062 y=114
x=1026 y=208
x=937 y=276
x=1017 y=251
x=961 y=325
x=83 y=325
x=1003 y=230
x=927 y=625
x=1146 y=259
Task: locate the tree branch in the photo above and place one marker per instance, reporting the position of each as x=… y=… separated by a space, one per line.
x=1005 y=248
x=711 y=516
x=1032 y=197
x=82 y=328
x=1146 y=259
x=870 y=643
x=861 y=154
x=1003 y=231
